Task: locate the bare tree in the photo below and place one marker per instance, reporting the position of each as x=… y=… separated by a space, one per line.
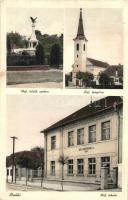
x=62 y=160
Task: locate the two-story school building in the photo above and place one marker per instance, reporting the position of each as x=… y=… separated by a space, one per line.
x=88 y=139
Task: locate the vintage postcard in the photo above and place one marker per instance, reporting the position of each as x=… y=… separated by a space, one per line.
x=63 y=99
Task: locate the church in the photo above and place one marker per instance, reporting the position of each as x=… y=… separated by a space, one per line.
x=84 y=64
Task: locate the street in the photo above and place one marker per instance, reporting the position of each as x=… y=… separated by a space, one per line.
x=18 y=187
x=50 y=186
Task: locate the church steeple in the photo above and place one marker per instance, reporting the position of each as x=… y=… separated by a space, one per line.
x=80 y=32
x=80 y=51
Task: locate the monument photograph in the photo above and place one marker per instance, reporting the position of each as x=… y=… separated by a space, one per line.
x=35 y=47
x=94 y=44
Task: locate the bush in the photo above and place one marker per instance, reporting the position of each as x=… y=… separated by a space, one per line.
x=40 y=54
x=55 y=55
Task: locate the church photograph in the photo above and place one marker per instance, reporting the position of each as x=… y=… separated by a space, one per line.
x=35 y=47
x=93 y=46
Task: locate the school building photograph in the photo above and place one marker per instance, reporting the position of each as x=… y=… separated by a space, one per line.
x=86 y=146
x=73 y=143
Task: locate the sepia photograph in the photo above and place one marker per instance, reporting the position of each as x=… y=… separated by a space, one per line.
x=63 y=99
x=64 y=143
x=94 y=46
x=35 y=47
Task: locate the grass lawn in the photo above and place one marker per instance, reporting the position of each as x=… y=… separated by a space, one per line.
x=29 y=77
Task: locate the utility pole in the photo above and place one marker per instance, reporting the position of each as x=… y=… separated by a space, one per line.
x=13 y=156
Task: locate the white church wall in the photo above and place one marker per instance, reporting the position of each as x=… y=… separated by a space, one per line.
x=80 y=55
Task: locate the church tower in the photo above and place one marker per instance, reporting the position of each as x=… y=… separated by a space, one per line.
x=80 y=50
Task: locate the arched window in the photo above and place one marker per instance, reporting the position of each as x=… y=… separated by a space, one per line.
x=84 y=47
x=77 y=47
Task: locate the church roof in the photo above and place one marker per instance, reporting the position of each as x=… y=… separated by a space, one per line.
x=98 y=63
x=80 y=32
x=105 y=104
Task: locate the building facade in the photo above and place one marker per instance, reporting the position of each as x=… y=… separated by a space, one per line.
x=88 y=139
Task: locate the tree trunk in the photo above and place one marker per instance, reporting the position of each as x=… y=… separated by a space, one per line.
x=62 y=172
x=26 y=176
x=62 y=178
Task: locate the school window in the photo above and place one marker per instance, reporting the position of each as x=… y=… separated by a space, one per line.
x=80 y=166
x=77 y=47
x=70 y=138
x=105 y=162
x=105 y=132
x=92 y=134
x=70 y=167
x=91 y=166
x=80 y=136
x=52 y=167
x=53 y=142
x=84 y=47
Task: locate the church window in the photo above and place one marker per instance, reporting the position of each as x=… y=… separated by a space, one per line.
x=77 y=56
x=77 y=47
x=84 y=47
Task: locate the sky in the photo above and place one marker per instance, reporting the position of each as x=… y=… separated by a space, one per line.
x=28 y=115
x=49 y=20
x=103 y=28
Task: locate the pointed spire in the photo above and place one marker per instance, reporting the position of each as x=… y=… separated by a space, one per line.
x=80 y=32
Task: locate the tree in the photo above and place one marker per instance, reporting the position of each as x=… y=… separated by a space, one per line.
x=68 y=77
x=40 y=152
x=62 y=160
x=40 y=54
x=26 y=162
x=85 y=77
x=15 y=40
x=9 y=45
x=55 y=55
x=104 y=80
x=38 y=35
